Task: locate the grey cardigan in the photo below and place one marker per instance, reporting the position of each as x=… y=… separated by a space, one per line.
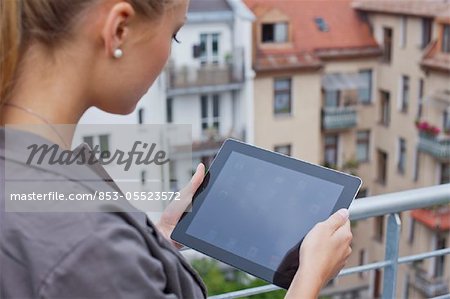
x=85 y=255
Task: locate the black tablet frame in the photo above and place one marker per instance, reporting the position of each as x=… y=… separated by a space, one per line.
x=350 y=183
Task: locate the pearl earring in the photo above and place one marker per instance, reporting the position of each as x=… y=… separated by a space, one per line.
x=118 y=53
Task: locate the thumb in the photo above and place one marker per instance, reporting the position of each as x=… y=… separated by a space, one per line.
x=175 y=209
x=197 y=178
x=338 y=219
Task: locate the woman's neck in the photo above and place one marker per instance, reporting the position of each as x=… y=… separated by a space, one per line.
x=54 y=91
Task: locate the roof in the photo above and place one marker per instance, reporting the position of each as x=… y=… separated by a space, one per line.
x=347 y=34
x=434 y=59
x=434 y=219
x=209 y=5
x=425 y=8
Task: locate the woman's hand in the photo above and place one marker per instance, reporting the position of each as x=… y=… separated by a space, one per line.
x=323 y=253
x=175 y=209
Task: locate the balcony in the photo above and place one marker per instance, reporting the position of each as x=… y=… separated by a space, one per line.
x=206 y=78
x=390 y=205
x=339 y=118
x=429 y=286
x=436 y=146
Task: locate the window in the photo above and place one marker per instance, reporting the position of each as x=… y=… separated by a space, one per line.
x=377 y=284
x=209 y=48
x=404 y=100
x=445 y=173
x=143 y=177
x=362 y=261
x=446 y=120
x=365 y=94
x=141 y=116
x=387 y=44
x=104 y=146
x=89 y=140
x=378 y=228
x=427 y=29
x=169 y=110
x=403 y=31
x=416 y=166
x=385 y=108
x=411 y=230
x=282 y=97
x=362 y=146
x=332 y=98
x=331 y=151
x=401 y=155
x=210 y=111
x=439 y=268
x=283 y=149
x=275 y=32
x=446 y=39
x=382 y=167
x=420 y=99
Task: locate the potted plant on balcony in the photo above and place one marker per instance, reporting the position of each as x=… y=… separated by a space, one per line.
x=212 y=134
x=351 y=166
x=426 y=129
x=228 y=58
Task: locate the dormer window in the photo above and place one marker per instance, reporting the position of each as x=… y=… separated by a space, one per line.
x=446 y=39
x=275 y=32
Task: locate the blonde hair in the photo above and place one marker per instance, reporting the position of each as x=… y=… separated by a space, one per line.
x=45 y=21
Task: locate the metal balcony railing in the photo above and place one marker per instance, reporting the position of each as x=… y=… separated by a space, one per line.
x=437 y=146
x=387 y=204
x=226 y=75
x=339 y=118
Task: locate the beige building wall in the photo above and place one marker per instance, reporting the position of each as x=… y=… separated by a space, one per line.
x=303 y=131
x=301 y=128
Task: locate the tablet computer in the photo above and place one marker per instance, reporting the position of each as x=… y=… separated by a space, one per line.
x=255 y=206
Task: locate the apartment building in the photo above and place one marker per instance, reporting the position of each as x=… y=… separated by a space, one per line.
x=362 y=87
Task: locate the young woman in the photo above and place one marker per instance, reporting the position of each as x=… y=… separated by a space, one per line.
x=58 y=58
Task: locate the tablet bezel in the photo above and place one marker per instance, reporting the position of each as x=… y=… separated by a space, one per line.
x=350 y=183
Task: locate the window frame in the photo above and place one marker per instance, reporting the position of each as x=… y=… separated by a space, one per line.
x=275 y=39
x=401 y=155
x=370 y=88
x=385 y=117
x=388 y=34
x=282 y=92
x=363 y=141
x=278 y=149
x=445 y=46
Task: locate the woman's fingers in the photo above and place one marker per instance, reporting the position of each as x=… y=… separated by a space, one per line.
x=175 y=209
x=344 y=233
x=337 y=220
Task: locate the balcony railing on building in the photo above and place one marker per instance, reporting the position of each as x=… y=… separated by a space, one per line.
x=436 y=146
x=428 y=285
x=338 y=118
x=227 y=75
x=342 y=92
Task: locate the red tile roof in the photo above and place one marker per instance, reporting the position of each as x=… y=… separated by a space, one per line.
x=348 y=35
x=435 y=59
x=434 y=219
x=426 y=8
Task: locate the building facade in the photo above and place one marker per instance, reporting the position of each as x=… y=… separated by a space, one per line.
x=366 y=92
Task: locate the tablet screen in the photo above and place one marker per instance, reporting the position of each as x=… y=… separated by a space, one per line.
x=259 y=210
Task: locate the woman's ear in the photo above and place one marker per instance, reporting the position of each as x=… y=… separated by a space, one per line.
x=116 y=27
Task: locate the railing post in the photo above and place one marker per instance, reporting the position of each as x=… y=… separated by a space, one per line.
x=391 y=255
